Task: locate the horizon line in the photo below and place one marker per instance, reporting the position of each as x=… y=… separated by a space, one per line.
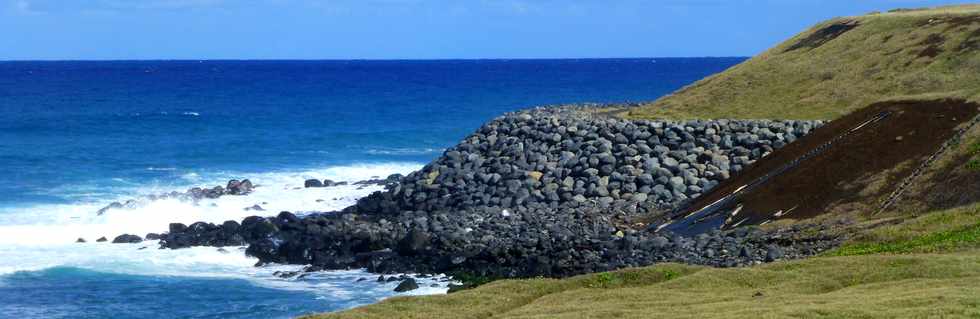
x=368 y=59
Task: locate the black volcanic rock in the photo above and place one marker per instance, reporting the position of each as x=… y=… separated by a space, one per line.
x=543 y=192
x=127 y=239
x=407 y=285
x=313 y=183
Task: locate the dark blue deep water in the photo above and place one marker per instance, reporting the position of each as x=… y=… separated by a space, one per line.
x=77 y=135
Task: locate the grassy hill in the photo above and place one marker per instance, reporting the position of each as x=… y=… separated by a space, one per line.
x=920 y=259
x=842 y=65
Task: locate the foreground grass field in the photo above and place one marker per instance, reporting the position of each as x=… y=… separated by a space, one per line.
x=842 y=65
x=923 y=267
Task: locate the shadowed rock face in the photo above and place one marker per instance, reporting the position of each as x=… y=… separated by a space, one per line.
x=551 y=192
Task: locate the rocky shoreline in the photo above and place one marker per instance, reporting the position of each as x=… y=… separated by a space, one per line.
x=543 y=192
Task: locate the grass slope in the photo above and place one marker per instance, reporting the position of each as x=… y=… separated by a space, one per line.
x=841 y=65
x=927 y=266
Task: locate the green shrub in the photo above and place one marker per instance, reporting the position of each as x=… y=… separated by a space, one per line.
x=973 y=164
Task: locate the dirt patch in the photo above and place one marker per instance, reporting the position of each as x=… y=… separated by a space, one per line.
x=824 y=35
x=952 y=187
x=955 y=183
x=972 y=42
x=840 y=174
x=933 y=44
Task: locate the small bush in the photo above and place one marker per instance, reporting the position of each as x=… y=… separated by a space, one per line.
x=973 y=164
x=974 y=150
x=601 y=280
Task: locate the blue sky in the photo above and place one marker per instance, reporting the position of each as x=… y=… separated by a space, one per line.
x=408 y=29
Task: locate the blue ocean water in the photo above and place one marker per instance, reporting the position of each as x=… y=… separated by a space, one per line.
x=75 y=136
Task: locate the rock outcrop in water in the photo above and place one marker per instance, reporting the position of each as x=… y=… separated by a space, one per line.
x=553 y=192
x=234 y=187
x=127 y=239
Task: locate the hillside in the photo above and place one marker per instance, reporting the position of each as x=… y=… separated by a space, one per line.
x=839 y=66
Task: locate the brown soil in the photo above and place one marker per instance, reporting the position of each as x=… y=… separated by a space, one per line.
x=933 y=45
x=842 y=173
x=972 y=42
x=824 y=35
x=954 y=184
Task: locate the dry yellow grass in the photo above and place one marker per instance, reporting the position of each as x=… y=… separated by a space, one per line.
x=886 y=56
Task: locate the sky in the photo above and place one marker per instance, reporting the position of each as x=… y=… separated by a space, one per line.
x=408 y=29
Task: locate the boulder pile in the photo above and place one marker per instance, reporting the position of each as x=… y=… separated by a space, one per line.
x=548 y=191
x=564 y=157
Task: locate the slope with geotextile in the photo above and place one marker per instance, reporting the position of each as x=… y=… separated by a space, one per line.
x=853 y=175
x=839 y=66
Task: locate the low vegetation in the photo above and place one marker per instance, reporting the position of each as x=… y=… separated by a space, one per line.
x=945 y=231
x=841 y=65
x=974 y=162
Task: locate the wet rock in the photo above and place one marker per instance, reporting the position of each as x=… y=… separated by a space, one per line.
x=236 y=187
x=80 y=240
x=127 y=239
x=312 y=183
x=407 y=285
x=101 y=240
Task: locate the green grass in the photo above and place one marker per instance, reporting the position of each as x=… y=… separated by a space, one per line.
x=974 y=152
x=927 y=266
x=935 y=242
x=919 y=285
x=882 y=58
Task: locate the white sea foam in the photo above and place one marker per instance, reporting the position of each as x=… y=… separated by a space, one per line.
x=403 y=151
x=43 y=236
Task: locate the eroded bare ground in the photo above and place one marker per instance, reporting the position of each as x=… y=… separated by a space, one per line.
x=824 y=35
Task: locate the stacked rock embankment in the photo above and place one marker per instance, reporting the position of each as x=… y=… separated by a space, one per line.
x=549 y=191
x=564 y=156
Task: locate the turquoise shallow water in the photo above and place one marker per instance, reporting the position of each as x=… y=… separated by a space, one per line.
x=75 y=136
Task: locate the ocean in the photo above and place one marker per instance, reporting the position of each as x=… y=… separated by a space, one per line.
x=76 y=136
